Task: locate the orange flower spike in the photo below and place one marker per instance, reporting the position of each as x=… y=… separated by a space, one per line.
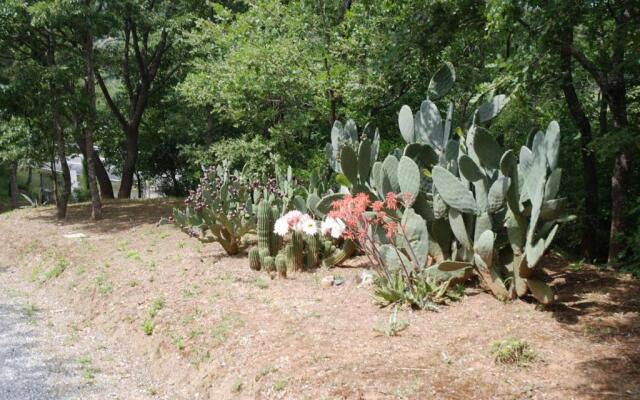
x=392 y=201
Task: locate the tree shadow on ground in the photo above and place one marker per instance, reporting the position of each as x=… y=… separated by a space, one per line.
x=117 y=215
x=603 y=307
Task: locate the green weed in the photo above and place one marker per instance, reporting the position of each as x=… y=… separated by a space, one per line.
x=512 y=351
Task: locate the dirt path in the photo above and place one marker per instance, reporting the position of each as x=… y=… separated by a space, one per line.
x=153 y=313
x=39 y=361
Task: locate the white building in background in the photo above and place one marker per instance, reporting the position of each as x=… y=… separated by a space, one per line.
x=151 y=188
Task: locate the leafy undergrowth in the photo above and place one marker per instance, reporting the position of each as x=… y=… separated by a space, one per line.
x=206 y=324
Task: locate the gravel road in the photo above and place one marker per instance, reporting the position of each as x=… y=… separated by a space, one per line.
x=27 y=370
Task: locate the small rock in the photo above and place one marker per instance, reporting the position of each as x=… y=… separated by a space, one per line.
x=327 y=281
x=75 y=236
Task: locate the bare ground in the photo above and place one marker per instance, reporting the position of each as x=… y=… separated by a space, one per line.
x=222 y=331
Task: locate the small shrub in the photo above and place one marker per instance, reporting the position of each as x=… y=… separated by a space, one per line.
x=512 y=351
x=103 y=285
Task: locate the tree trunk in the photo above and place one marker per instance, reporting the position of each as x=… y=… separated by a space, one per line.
x=90 y=88
x=589 y=165
x=54 y=180
x=29 y=176
x=140 y=187
x=106 y=188
x=130 y=161
x=13 y=183
x=58 y=136
x=621 y=177
x=66 y=174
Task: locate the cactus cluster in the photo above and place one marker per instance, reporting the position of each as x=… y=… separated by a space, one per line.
x=486 y=208
x=352 y=158
x=221 y=209
x=503 y=211
x=302 y=252
x=480 y=208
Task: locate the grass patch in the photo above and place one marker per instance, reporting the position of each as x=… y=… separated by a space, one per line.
x=147 y=327
x=261 y=283
x=123 y=244
x=220 y=332
x=103 y=284
x=178 y=341
x=279 y=385
x=236 y=387
x=190 y=292
x=134 y=256
x=512 y=351
x=59 y=267
x=266 y=370
x=88 y=370
x=156 y=306
x=31 y=310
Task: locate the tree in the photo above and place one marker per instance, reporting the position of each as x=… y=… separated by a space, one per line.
x=144 y=39
x=89 y=131
x=13 y=148
x=598 y=36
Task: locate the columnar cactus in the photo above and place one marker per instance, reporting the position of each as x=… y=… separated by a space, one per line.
x=254 y=259
x=281 y=265
x=313 y=253
x=339 y=256
x=297 y=244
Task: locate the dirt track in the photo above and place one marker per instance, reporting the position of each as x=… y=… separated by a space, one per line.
x=222 y=331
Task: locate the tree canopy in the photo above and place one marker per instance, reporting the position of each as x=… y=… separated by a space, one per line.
x=156 y=90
